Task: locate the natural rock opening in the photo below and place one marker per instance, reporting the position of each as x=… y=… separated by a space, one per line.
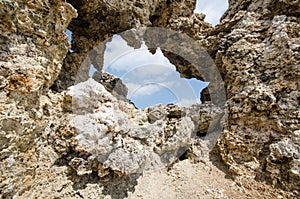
x=68 y=143
x=246 y=25
x=69 y=33
x=150 y=78
x=111 y=137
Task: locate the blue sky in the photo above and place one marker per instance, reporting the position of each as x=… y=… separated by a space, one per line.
x=214 y=9
x=152 y=79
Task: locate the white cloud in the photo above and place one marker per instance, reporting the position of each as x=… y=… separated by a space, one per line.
x=213 y=9
x=133 y=59
x=179 y=88
x=116 y=49
x=142 y=90
x=150 y=73
x=150 y=79
x=157 y=75
x=187 y=102
x=120 y=57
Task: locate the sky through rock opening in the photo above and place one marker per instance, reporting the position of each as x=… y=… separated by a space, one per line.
x=152 y=79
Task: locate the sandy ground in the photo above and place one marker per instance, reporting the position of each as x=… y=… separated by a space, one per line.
x=202 y=181
x=187 y=180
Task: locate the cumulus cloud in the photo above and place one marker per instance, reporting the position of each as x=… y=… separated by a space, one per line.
x=146 y=79
x=159 y=95
x=187 y=102
x=121 y=58
x=150 y=79
x=143 y=90
x=115 y=50
x=149 y=73
x=213 y=9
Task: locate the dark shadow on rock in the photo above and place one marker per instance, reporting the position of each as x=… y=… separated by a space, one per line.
x=215 y=158
x=113 y=185
x=80 y=182
x=119 y=186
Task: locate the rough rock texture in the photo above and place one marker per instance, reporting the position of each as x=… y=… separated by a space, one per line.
x=98 y=20
x=112 y=84
x=82 y=142
x=33 y=46
x=258 y=47
x=114 y=135
x=33 y=43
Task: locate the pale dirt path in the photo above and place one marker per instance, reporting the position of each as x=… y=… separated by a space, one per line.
x=187 y=180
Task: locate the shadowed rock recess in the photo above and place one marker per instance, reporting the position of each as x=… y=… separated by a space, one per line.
x=60 y=138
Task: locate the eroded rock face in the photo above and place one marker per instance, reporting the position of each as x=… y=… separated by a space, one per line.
x=259 y=58
x=86 y=142
x=98 y=21
x=33 y=45
x=112 y=84
x=105 y=135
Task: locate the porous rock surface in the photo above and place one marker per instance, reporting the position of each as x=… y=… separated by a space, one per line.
x=91 y=29
x=114 y=136
x=82 y=142
x=112 y=84
x=258 y=55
